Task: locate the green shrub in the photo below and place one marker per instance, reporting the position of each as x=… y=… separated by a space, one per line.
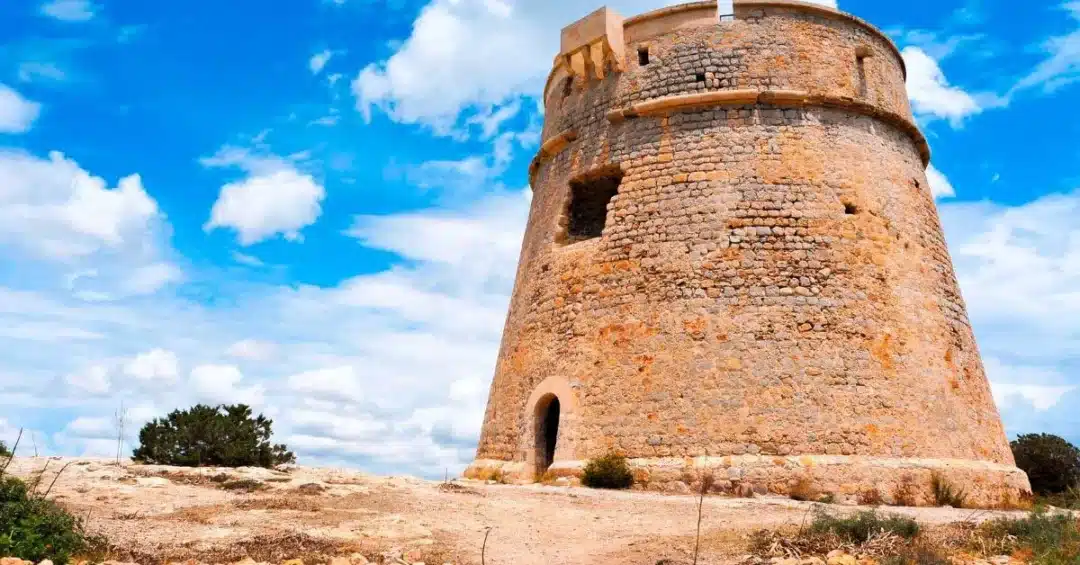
x=1052 y=539
x=1051 y=463
x=4 y=451
x=246 y=485
x=859 y=527
x=945 y=494
x=34 y=529
x=609 y=471
x=1069 y=499
x=222 y=436
x=918 y=553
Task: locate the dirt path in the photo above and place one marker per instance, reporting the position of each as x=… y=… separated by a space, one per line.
x=152 y=514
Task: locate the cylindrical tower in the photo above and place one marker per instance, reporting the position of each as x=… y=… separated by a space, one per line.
x=734 y=264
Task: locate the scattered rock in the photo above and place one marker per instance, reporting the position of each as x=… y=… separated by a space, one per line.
x=839 y=557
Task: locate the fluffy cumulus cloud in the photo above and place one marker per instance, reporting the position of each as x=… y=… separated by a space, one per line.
x=55 y=212
x=940 y=186
x=274 y=197
x=156 y=364
x=70 y=10
x=932 y=97
x=1019 y=268
x=473 y=57
x=387 y=371
x=17 y=114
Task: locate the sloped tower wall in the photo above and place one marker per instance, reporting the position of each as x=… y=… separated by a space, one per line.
x=771 y=299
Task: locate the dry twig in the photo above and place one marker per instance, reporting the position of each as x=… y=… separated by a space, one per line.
x=13 y=450
x=483 y=549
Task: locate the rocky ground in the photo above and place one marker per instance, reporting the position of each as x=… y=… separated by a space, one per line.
x=154 y=514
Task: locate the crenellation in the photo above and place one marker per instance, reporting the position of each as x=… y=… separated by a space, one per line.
x=770 y=279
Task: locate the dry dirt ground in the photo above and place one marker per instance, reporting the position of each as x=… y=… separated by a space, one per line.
x=154 y=514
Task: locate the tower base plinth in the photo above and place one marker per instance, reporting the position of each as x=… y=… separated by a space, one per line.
x=835 y=478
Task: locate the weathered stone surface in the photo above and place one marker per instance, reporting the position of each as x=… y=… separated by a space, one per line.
x=771 y=297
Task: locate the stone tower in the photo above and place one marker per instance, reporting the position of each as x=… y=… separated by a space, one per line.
x=734 y=265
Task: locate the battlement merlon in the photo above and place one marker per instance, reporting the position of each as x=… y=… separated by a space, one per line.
x=593 y=41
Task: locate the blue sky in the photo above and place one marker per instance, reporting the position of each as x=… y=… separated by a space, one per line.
x=316 y=208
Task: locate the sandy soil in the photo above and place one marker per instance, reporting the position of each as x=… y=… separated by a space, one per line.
x=153 y=514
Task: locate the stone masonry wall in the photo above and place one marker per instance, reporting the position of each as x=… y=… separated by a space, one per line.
x=770 y=281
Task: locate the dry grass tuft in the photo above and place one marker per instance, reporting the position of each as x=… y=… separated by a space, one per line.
x=945 y=494
x=906 y=492
x=279 y=503
x=870 y=497
x=455 y=488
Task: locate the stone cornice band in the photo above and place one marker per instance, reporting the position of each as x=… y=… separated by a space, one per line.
x=782 y=98
x=711 y=4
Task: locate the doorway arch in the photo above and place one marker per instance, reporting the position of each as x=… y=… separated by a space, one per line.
x=539 y=423
x=547 y=417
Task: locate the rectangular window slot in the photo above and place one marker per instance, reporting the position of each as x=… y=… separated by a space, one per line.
x=700 y=77
x=861 y=54
x=643 y=56
x=589 y=199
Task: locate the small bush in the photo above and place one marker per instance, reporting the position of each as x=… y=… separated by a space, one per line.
x=945 y=494
x=4 y=451
x=859 y=527
x=1051 y=539
x=869 y=497
x=610 y=471
x=1051 y=463
x=906 y=493
x=804 y=491
x=918 y=553
x=224 y=436
x=246 y=485
x=34 y=529
x=1069 y=499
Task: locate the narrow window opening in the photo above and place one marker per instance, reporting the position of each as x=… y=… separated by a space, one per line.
x=861 y=54
x=567 y=87
x=700 y=77
x=850 y=209
x=643 y=56
x=589 y=199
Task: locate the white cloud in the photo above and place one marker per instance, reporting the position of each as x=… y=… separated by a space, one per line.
x=93 y=380
x=31 y=71
x=17 y=114
x=1062 y=63
x=69 y=211
x=340 y=384
x=319 y=60
x=154 y=365
x=251 y=350
x=474 y=58
x=70 y=10
x=92 y=428
x=940 y=186
x=932 y=96
x=388 y=370
x=273 y=198
x=1042 y=398
x=219 y=384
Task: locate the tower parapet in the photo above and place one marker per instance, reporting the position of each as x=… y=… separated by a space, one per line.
x=734 y=263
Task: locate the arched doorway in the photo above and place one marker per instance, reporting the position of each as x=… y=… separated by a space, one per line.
x=547 y=432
